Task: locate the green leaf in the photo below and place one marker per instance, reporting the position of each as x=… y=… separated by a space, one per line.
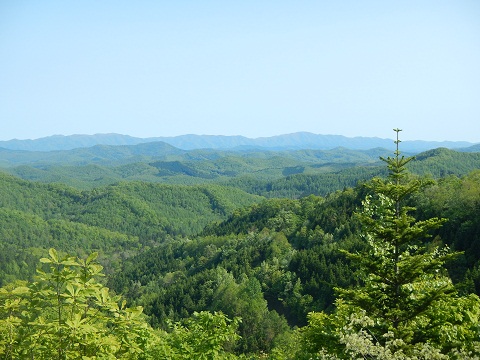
x=53 y=254
x=69 y=262
x=21 y=290
x=70 y=289
x=91 y=257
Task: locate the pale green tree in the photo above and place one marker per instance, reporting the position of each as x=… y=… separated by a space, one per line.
x=66 y=313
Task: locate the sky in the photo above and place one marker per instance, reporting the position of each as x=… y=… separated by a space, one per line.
x=253 y=68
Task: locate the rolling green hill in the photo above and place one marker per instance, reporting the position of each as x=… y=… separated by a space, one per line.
x=99 y=154
x=442 y=162
x=292 y=174
x=160 y=163
x=117 y=220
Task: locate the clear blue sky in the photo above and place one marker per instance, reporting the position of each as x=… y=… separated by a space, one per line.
x=252 y=68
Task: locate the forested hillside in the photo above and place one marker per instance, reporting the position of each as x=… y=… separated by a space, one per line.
x=291 y=174
x=117 y=220
x=87 y=168
x=270 y=239
x=290 y=253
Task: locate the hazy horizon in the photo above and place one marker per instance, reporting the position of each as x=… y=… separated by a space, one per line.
x=220 y=135
x=250 y=68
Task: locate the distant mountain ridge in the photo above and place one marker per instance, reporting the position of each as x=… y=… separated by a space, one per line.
x=97 y=154
x=294 y=141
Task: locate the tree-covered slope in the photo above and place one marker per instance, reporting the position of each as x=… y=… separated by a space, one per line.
x=290 y=174
x=99 y=154
x=280 y=256
x=183 y=209
x=457 y=200
x=25 y=237
x=117 y=220
x=102 y=165
x=289 y=250
x=441 y=162
x=152 y=211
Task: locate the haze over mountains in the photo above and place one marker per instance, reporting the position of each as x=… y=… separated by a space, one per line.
x=294 y=141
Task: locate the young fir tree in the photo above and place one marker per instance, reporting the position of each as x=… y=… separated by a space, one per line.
x=407 y=306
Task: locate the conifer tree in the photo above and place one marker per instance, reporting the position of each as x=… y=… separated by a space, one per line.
x=406 y=306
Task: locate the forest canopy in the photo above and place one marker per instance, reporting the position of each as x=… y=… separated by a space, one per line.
x=361 y=261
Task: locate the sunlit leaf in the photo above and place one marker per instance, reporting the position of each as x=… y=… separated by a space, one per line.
x=53 y=254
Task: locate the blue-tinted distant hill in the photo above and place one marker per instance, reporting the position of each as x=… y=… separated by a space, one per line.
x=97 y=154
x=473 y=148
x=295 y=141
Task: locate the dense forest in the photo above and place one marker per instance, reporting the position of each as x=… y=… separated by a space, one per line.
x=293 y=255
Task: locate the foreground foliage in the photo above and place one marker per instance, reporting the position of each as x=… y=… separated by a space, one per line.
x=66 y=313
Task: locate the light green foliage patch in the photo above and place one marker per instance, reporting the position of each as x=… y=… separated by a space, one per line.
x=66 y=313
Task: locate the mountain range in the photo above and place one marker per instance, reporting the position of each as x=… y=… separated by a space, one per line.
x=294 y=141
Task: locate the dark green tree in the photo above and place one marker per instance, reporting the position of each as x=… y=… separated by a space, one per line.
x=406 y=305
